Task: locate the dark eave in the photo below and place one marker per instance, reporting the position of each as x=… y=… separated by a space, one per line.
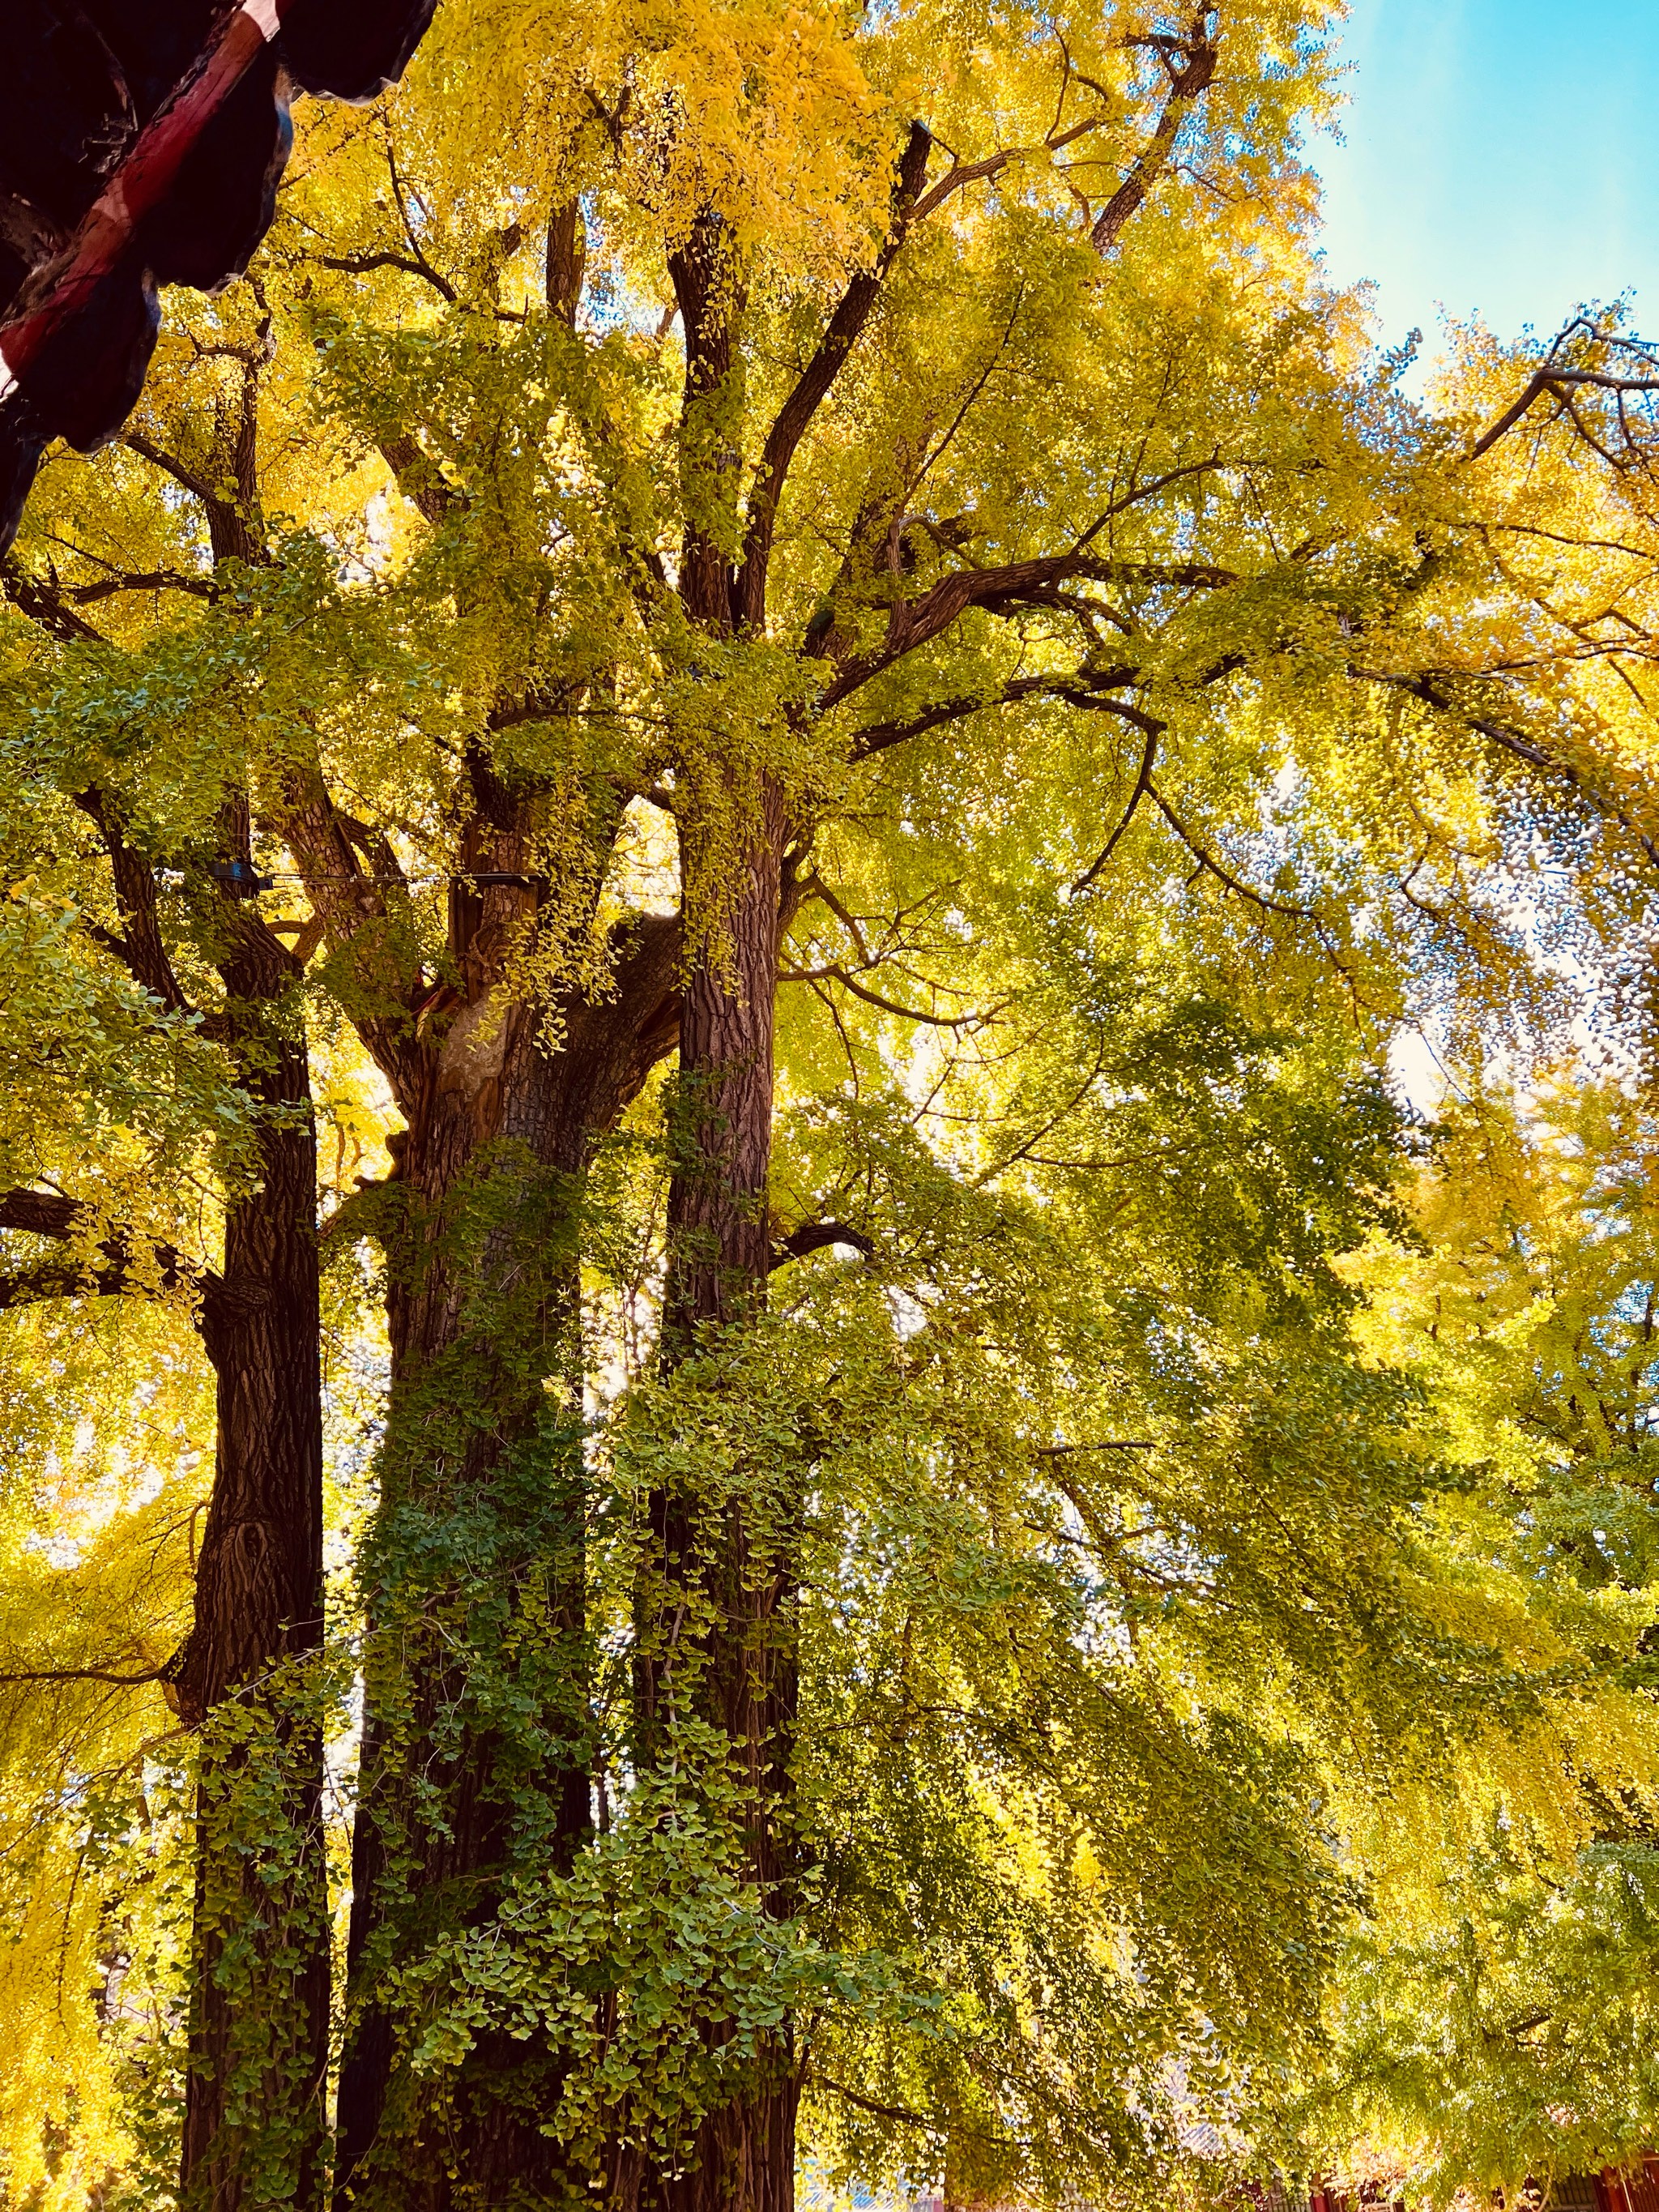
x=140 y=142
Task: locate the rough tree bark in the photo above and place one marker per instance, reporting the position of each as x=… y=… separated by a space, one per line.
x=255 y=2119
x=483 y=1304
x=741 y=1673
x=744 y=1675
x=255 y=2123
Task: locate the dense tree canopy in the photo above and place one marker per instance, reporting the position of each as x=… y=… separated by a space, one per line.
x=744 y=1421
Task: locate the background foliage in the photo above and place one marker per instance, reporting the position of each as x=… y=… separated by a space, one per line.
x=1219 y=1492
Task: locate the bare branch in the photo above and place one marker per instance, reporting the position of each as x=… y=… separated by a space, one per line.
x=961 y=175
x=880 y=737
x=1558 y=379
x=148 y=450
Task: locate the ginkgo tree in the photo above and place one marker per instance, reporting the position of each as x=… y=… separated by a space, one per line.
x=857 y=555
x=1490 y=2016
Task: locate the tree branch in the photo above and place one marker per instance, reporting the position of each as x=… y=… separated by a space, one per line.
x=838 y=974
x=1200 y=51
x=51 y=1214
x=1143 y=784
x=1116 y=1443
x=1522 y=747
x=913 y=623
x=230 y=526
x=348 y=902
x=565 y=262
x=898 y=2113
x=795 y=415
x=197 y=486
x=155 y=579
x=420 y=479
x=85 y=1675
x=880 y=737
x=361 y=265
x=1558 y=381
x=1085 y=688
x=1210 y=865
x=816 y=1236
x=140 y=947
x=48 y=604
x=38 y=1212
x=59 y=1279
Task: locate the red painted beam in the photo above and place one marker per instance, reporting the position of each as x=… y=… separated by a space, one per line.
x=142 y=182
x=74 y=352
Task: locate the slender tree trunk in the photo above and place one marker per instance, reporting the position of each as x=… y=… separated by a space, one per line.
x=744 y=1675
x=255 y=2119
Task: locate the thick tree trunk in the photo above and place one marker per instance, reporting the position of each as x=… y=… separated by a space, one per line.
x=719 y=1245
x=255 y=2119
x=743 y=1673
x=475 y=1767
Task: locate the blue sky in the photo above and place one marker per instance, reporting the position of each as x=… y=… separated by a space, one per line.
x=1501 y=155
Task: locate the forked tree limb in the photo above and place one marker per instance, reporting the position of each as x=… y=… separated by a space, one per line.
x=1198 y=51
x=362 y=265
x=139 y=946
x=1557 y=378
x=1190 y=61
x=1559 y=382
x=794 y=417
x=46 y=602
x=913 y=623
